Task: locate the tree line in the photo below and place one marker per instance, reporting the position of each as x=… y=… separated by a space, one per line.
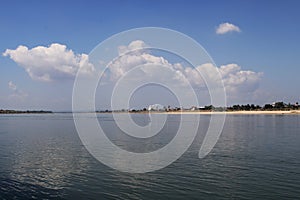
x=268 y=107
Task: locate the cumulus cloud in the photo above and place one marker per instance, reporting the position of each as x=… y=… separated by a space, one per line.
x=134 y=45
x=236 y=80
x=126 y=62
x=54 y=62
x=239 y=81
x=226 y=28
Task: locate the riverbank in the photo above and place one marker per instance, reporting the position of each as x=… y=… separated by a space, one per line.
x=261 y=112
x=186 y=112
x=24 y=112
x=256 y=112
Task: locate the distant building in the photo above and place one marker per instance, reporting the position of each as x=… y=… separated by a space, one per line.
x=156 y=107
x=193 y=108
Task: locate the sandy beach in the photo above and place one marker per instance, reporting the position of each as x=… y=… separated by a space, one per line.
x=289 y=112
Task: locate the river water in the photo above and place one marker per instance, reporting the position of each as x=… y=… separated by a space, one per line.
x=256 y=157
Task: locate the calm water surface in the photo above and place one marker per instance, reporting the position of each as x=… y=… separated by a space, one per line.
x=256 y=157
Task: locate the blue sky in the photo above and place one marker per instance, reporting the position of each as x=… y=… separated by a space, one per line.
x=268 y=41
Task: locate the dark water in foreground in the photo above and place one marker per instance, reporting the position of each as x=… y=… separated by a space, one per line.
x=256 y=157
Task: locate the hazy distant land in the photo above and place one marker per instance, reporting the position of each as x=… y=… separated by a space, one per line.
x=275 y=108
x=261 y=112
x=24 y=112
x=247 y=109
x=184 y=112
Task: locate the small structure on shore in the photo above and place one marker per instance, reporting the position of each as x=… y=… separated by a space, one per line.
x=156 y=107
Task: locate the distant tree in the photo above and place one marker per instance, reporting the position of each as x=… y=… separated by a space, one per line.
x=268 y=107
x=236 y=107
x=279 y=105
x=246 y=107
x=258 y=107
x=210 y=107
x=290 y=106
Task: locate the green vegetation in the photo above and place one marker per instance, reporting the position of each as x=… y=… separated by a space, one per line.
x=267 y=107
x=24 y=112
x=276 y=106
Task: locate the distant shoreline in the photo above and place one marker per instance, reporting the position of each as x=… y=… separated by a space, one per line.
x=260 y=112
x=277 y=112
x=25 y=112
x=185 y=112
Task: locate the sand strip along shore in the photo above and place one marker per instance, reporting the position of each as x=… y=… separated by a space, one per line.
x=290 y=112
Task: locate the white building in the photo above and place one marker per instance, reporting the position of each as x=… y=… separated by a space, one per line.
x=156 y=107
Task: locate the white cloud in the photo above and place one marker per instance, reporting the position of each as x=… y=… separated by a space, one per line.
x=236 y=81
x=134 y=45
x=54 y=62
x=226 y=28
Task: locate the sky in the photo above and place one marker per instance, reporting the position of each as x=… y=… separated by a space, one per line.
x=254 y=44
